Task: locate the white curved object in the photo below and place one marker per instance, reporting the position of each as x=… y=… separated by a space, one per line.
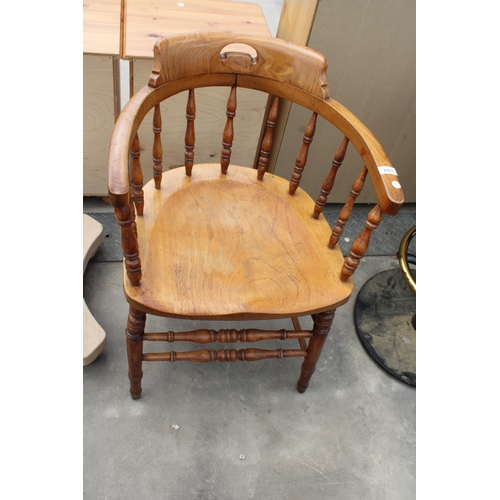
x=94 y=337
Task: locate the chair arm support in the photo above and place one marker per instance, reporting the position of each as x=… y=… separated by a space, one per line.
x=382 y=174
x=121 y=140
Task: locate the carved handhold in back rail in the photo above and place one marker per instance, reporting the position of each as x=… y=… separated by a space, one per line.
x=360 y=245
x=189 y=137
x=268 y=140
x=130 y=247
x=205 y=336
x=301 y=160
x=137 y=178
x=224 y=355
x=157 y=148
x=330 y=179
x=346 y=211
x=228 y=135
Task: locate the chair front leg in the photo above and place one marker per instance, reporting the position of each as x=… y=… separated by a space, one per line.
x=135 y=330
x=322 y=324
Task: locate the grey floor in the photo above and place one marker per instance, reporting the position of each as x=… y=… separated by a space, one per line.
x=350 y=436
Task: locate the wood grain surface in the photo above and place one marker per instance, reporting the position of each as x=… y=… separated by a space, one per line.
x=230 y=247
x=145 y=22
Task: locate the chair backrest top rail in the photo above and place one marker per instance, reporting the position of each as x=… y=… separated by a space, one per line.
x=197 y=54
x=283 y=80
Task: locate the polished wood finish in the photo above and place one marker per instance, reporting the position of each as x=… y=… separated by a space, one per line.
x=299 y=66
x=301 y=160
x=137 y=177
x=234 y=259
x=134 y=332
x=224 y=355
x=204 y=336
x=322 y=324
x=189 y=138
x=125 y=218
x=360 y=245
x=330 y=179
x=268 y=139
x=346 y=211
x=224 y=241
x=157 y=148
x=228 y=135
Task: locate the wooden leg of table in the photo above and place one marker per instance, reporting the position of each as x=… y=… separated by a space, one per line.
x=322 y=324
x=135 y=330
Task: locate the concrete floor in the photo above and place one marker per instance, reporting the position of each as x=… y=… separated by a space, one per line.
x=351 y=435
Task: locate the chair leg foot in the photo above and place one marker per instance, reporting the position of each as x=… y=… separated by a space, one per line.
x=135 y=331
x=322 y=324
x=135 y=395
x=301 y=388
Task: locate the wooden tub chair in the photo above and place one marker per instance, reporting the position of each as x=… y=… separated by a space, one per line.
x=219 y=241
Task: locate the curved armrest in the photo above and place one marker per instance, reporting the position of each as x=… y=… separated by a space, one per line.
x=121 y=140
x=383 y=175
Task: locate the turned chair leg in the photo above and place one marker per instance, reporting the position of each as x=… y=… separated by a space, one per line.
x=135 y=330
x=322 y=324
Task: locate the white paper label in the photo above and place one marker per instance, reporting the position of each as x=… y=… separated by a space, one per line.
x=396 y=184
x=387 y=170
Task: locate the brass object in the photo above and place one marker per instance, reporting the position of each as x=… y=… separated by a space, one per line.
x=403 y=258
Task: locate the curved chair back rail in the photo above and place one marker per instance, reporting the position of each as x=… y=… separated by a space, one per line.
x=288 y=83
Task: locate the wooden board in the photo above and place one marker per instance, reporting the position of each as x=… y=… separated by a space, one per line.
x=101 y=27
x=147 y=21
x=98 y=121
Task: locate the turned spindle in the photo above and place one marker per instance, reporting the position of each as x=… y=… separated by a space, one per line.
x=330 y=178
x=190 y=136
x=224 y=355
x=346 y=211
x=228 y=135
x=126 y=221
x=205 y=336
x=301 y=160
x=268 y=140
x=157 y=148
x=360 y=244
x=137 y=178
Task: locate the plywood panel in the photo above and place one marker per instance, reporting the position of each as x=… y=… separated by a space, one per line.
x=101 y=44
x=370 y=47
x=98 y=122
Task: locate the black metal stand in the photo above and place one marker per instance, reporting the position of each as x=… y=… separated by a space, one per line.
x=385 y=317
